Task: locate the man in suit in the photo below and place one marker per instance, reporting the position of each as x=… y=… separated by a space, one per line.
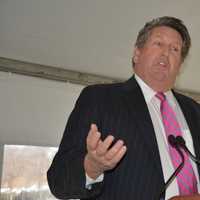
x=114 y=146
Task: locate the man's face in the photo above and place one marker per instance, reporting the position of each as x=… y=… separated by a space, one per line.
x=158 y=61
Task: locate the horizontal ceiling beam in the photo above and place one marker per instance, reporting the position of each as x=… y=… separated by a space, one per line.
x=52 y=73
x=60 y=74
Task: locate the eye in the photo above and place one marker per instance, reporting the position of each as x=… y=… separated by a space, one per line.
x=158 y=43
x=175 y=49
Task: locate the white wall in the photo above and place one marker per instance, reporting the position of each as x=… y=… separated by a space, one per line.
x=34 y=111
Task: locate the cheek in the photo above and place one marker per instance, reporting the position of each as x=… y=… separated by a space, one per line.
x=147 y=58
x=176 y=64
x=175 y=71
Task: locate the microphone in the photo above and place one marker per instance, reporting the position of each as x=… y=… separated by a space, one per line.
x=181 y=142
x=173 y=142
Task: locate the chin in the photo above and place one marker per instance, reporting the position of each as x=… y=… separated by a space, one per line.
x=160 y=75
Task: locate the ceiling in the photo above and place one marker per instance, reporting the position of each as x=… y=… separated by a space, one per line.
x=92 y=36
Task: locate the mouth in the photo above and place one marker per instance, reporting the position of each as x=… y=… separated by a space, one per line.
x=163 y=64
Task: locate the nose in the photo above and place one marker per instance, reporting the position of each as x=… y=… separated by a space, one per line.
x=166 y=51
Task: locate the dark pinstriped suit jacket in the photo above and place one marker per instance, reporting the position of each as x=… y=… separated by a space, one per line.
x=120 y=110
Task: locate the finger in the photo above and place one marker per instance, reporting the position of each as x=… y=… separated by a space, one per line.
x=114 y=150
x=94 y=127
x=119 y=155
x=93 y=137
x=103 y=146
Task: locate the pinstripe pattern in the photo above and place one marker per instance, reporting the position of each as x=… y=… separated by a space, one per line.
x=119 y=109
x=186 y=179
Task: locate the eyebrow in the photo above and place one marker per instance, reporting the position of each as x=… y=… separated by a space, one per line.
x=175 y=42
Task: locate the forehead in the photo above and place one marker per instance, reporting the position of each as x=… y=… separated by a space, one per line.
x=166 y=33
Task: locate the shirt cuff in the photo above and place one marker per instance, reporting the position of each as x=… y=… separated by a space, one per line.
x=90 y=181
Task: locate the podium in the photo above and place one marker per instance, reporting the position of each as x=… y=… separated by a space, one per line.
x=190 y=197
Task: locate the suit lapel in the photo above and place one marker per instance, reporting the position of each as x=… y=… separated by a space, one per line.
x=136 y=102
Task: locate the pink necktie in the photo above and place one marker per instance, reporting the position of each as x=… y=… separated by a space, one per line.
x=186 y=179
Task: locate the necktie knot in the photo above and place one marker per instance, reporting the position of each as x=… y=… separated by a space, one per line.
x=161 y=96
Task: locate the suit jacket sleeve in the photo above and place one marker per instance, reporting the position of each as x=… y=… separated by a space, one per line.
x=66 y=176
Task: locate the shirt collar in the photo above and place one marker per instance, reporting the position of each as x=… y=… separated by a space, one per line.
x=149 y=93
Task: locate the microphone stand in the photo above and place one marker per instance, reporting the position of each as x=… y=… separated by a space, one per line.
x=173 y=143
x=181 y=142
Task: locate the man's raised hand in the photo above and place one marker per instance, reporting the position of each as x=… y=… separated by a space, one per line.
x=101 y=156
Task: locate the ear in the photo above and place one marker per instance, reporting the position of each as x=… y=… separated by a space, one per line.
x=136 y=54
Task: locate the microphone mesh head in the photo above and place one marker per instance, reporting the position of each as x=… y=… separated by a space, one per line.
x=172 y=140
